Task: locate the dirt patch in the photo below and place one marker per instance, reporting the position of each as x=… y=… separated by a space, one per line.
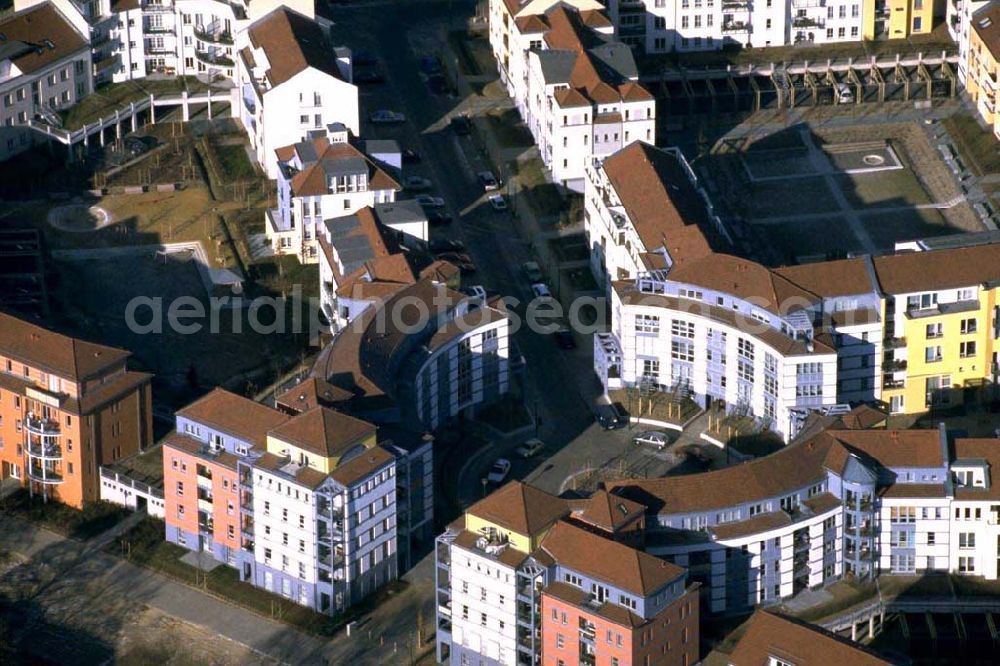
x=79 y=218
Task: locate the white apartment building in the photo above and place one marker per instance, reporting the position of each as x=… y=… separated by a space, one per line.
x=132 y=39
x=959 y=21
x=839 y=501
x=324 y=511
x=44 y=68
x=575 y=87
x=657 y=26
x=320 y=178
x=291 y=81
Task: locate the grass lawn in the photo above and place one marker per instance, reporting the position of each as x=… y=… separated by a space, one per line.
x=978 y=148
x=543 y=195
x=883 y=189
x=145 y=545
x=886 y=228
x=279 y=274
x=510 y=132
x=91 y=521
x=789 y=197
x=811 y=238
x=106 y=99
x=233 y=161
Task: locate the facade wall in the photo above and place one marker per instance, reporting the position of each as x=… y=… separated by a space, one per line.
x=981 y=72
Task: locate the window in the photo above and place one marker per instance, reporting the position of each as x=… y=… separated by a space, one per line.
x=918 y=24
x=647 y=324
x=966 y=565
x=682 y=351
x=180 y=489
x=968 y=326
x=967 y=349
x=935 y=330
x=682 y=329
x=745 y=348
x=967 y=540
x=560 y=642
x=932 y=354
x=931 y=539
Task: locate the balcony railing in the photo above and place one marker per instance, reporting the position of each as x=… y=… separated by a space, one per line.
x=44 y=474
x=44 y=450
x=894 y=343
x=807 y=22
x=893 y=383
x=215 y=37
x=216 y=59
x=894 y=365
x=41 y=426
x=158 y=29
x=735 y=26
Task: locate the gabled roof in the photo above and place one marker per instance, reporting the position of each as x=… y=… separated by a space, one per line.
x=744 y=279
x=843 y=277
x=938 y=269
x=37 y=37
x=292 y=43
x=624 y=567
x=660 y=201
x=323 y=431
x=54 y=352
x=520 y=508
x=357 y=239
x=609 y=512
x=312 y=392
x=986 y=24
x=769 y=635
x=322 y=160
x=235 y=415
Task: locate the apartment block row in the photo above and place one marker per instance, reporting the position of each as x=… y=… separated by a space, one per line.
x=974 y=25
x=288 y=79
x=916 y=330
x=574 y=85
x=67 y=407
x=836 y=503
x=525 y=577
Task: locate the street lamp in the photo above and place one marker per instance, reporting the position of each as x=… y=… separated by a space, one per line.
x=484 y=482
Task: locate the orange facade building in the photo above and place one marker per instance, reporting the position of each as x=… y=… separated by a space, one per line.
x=67 y=407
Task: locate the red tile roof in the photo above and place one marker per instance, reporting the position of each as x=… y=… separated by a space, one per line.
x=788 y=640
x=292 y=43
x=54 y=352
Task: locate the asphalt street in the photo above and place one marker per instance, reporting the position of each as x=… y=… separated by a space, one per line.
x=559 y=386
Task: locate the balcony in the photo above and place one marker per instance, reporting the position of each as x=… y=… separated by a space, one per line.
x=43 y=450
x=631 y=7
x=156 y=7
x=894 y=343
x=214 y=59
x=806 y=4
x=735 y=5
x=807 y=22
x=158 y=29
x=894 y=365
x=44 y=473
x=37 y=425
x=212 y=36
x=731 y=27
x=893 y=383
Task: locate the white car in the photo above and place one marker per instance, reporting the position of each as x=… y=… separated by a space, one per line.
x=417 y=183
x=498 y=202
x=427 y=201
x=385 y=116
x=530 y=448
x=541 y=290
x=499 y=471
x=488 y=180
x=653 y=438
x=475 y=291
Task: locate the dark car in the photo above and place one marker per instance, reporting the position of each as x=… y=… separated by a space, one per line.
x=610 y=417
x=362 y=58
x=430 y=65
x=461 y=260
x=437 y=217
x=564 y=338
x=446 y=245
x=369 y=76
x=461 y=125
x=411 y=157
x=438 y=84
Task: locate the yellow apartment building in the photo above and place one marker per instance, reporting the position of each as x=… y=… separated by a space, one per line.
x=897 y=19
x=983 y=54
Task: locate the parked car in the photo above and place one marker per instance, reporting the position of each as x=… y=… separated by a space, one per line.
x=844 y=94
x=656 y=438
x=430 y=65
x=530 y=448
x=368 y=76
x=696 y=453
x=488 y=181
x=410 y=156
x=461 y=125
x=610 y=416
x=540 y=290
x=362 y=58
x=428 y=201
x=438 y=217
x=445 y=245
x=438 y=84
x=417 y=183
x=532 y=271
x=386 y=117
x=564 y=338
x=498 y=203
x=499 y=471
x=461 y=260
